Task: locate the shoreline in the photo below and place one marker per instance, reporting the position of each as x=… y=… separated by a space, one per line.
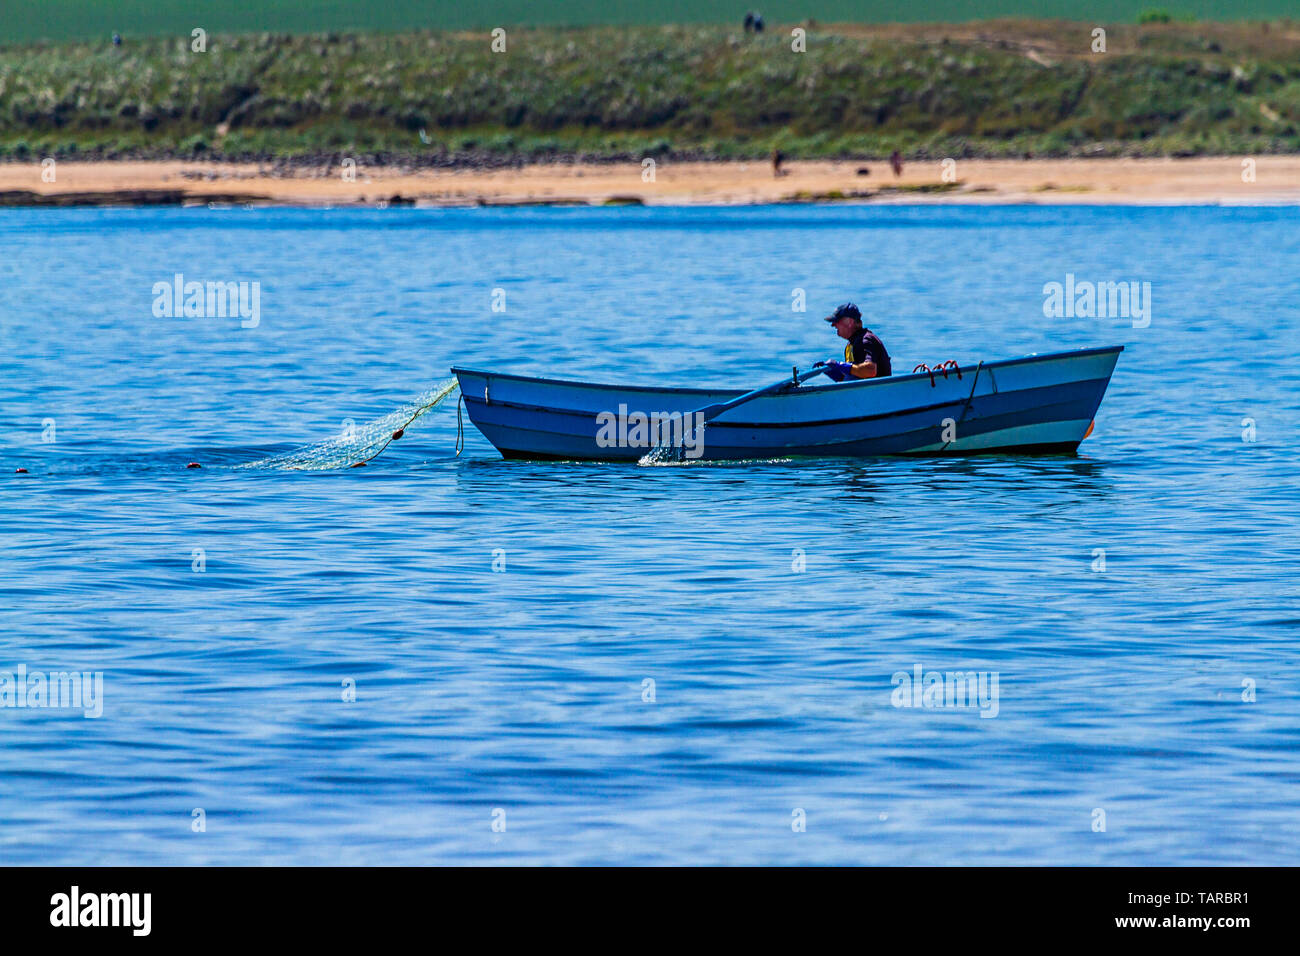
x=1100 y=181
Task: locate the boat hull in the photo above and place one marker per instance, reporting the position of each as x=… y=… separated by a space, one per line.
x=1036 y=404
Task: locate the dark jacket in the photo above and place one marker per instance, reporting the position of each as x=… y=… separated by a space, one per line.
x=865 y=345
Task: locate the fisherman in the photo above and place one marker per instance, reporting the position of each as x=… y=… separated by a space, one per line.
x=864 y=355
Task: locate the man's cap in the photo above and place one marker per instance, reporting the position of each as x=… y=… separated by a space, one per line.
x=848 y=309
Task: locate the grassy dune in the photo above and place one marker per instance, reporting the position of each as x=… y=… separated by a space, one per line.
x=1000 y=88
x=65 y=20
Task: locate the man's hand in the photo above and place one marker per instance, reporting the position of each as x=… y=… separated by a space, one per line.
x=839 y=371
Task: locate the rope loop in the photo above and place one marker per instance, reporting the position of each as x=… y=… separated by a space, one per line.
x=460 y=424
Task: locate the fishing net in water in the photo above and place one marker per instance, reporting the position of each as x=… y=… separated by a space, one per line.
x=357 y=444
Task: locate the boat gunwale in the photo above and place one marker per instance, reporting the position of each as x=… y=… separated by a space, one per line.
x=810 y=423
x=803 y=389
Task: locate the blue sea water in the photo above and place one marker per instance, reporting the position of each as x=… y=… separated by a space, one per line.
x=1138 y=603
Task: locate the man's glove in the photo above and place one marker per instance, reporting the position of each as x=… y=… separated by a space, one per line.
x=839 y=371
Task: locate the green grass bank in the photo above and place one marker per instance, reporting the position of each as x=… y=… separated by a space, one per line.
x=991 y=89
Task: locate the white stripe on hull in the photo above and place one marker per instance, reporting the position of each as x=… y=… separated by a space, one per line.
x=1043 y=433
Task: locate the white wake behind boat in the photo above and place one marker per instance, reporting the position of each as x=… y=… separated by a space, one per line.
x=1036 y=404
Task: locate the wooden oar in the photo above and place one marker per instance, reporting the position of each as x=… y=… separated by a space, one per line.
x=710 y=412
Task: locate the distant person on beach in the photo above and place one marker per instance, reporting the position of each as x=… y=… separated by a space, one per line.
x=778 y=158
x=896 y=162
x=864 y=354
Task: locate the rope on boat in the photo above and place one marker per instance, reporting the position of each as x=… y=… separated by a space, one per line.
x=969 y=399
x=940 y=367
x=460 y=424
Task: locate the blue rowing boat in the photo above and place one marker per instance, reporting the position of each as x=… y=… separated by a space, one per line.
x=1036 y=404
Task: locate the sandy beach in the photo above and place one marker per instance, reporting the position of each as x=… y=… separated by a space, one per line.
x=1276 y=180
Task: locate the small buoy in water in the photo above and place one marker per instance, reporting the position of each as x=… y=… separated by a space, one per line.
x=399 y=433
x=194 y=464
x=20 y=471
